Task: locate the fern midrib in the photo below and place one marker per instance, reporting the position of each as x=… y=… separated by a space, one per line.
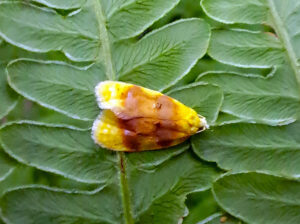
x=111 y=75
x=125 y=190
x=283 y=35
x=105 y=43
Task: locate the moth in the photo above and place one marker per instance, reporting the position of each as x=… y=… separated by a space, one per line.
x=134 y=118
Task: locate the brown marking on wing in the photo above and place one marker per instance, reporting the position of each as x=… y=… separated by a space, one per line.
x=151 y=117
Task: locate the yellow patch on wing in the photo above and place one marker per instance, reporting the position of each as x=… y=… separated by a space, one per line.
x=107 y=133
x=136 y=119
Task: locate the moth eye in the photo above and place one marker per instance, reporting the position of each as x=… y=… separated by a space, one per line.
x=134 y=118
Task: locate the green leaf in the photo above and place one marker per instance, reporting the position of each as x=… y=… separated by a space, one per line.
x=70 y=152
x=275 y=100
x=129 y=18
x=58 y=4
x=162 y=55
x=66 y=151
x=219 y=218
x=44 y=30
x=19 y=176
x=6 y=165
x=149 y=160
x=207 y=65
x=174 y=179
x=8 y=97
x=177 y=46
x=166 y=54
x=282 y=16
x=42 y=205
x=63 y=81
x=246 y=49
x=204 y=98
x=78 y=34
x=200 y=205
x=252 y=147
x=151 y=187
x=246 y=195
x=22 y=176
x=72 y=145
x=58 y=86
x=185 y=9
x=225 y=118
x=236 y=11
x=29 y=111
x=285 y=15
x=9 y=52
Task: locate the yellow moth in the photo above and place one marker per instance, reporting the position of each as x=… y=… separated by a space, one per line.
x=134 y=118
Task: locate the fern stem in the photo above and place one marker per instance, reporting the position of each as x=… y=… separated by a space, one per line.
x=111 y=75
x=105 y=43
x=283 y=35
x=125 y=190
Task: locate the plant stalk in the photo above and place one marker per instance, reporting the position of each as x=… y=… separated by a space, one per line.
x=105 y=43
x=111 y=75
x=125 y=190
x=283 y=35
